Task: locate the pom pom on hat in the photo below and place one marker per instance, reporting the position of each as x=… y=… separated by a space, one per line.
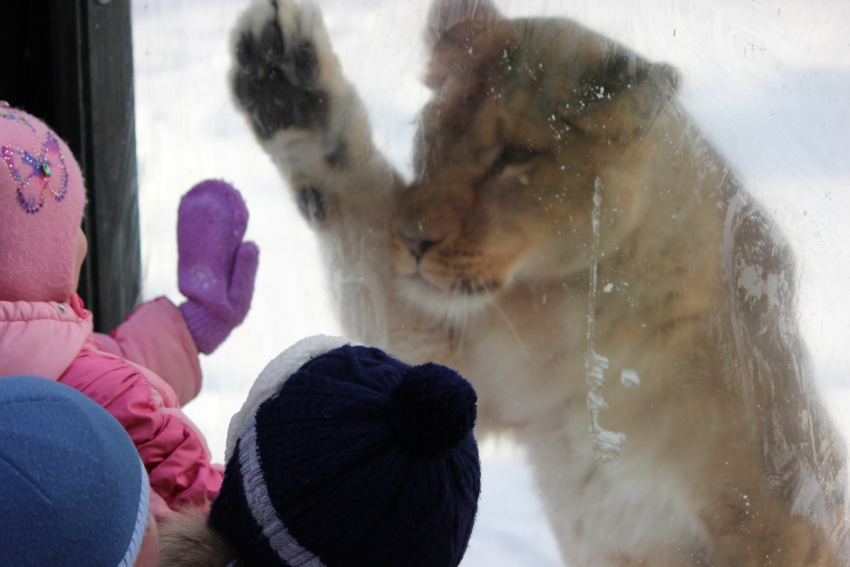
x=432 y=408
x=41 y=206
x=73 y=490
x=344 y=456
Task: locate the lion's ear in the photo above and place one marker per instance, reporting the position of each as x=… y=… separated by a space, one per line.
x=445 y=15
x=466 y=37
x=621 y=96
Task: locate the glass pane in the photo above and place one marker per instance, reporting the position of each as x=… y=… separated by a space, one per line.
x=766 y=84
x=188 y=131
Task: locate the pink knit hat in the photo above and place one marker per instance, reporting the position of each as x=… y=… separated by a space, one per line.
x=41 y=205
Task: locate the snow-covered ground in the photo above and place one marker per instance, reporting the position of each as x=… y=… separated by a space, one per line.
x=769 y=80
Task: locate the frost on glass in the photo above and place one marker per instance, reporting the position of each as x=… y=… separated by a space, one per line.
x=626 y=229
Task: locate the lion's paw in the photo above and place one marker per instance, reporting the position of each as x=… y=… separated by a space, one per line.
x=280 y=49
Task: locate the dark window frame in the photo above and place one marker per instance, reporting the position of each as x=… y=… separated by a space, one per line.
x=70 y=62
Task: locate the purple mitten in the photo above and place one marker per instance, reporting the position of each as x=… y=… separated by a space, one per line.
x=215 y=270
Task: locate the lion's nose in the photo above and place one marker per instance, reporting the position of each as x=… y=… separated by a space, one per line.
x=417 y=246
x=423 y=231
x=423 y=224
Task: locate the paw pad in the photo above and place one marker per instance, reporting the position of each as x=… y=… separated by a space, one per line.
x=312 y=205
x=276 y=83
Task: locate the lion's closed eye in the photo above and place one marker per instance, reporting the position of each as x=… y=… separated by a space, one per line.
x=512 y=155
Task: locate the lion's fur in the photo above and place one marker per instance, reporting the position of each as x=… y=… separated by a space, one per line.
x=575 y=247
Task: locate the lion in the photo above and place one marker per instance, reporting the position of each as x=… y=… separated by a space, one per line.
x=574 y=246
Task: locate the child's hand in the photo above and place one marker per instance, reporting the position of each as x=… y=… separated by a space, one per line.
x=215 y=269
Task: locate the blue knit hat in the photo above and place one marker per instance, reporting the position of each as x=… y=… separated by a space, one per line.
x=344 y=456
x=73 y=490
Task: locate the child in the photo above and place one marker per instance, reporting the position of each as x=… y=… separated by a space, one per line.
x=342 y=456
x=148 y=367
x=72 y=488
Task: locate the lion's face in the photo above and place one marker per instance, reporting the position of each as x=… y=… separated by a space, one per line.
x=525 y=118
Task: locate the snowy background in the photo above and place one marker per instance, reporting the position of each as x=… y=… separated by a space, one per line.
x=768 y=80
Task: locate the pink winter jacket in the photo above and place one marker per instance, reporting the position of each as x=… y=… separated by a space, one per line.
x=141 y=373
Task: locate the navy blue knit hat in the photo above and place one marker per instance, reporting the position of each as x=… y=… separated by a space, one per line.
x=344 y=456
x=73 y=490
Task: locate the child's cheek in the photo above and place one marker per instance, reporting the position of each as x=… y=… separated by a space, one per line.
x=82 y=246
x=149 y=554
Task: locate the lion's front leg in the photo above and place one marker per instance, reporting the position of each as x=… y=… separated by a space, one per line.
x=288 y=83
